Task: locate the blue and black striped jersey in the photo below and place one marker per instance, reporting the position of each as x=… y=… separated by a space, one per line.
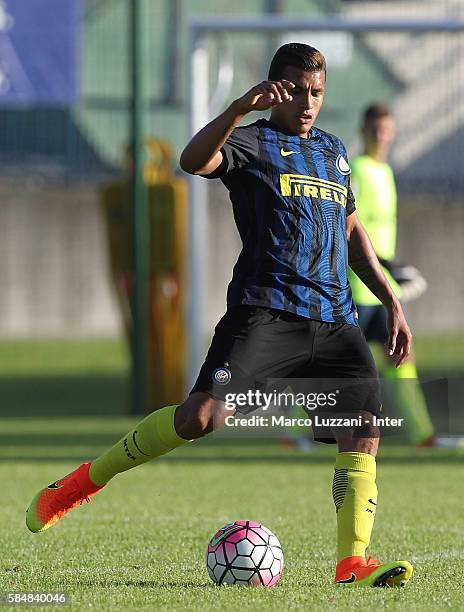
x=290 y=198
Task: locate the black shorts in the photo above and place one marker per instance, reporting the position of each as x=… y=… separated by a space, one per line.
x=254 y=346
x=373 y=322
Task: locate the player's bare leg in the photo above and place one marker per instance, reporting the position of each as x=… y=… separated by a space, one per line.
x=199 y=415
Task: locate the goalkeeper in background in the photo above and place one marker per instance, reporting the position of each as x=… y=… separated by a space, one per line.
x=374 y=186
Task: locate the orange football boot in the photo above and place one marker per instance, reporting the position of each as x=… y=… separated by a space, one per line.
x=56 y=500
x=356 y=571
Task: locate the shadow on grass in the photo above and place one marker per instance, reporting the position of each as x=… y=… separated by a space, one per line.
x=152 y=584
x=64 y=395
x=71 y=440
x=248 y=456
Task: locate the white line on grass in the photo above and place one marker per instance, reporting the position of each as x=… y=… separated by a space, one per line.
x=447 y=554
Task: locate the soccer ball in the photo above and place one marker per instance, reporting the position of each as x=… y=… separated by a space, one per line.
x=245 y=552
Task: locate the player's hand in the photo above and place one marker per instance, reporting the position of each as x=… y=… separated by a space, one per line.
x=265 y=95
x=400 y=337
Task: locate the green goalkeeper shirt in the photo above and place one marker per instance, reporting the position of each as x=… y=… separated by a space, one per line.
x=373 y=185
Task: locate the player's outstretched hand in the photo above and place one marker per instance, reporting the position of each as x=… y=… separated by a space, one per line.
x=400 y=337
x=265 y=95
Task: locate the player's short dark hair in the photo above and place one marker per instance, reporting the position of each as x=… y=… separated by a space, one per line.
x=375 y=111
x=299 y=55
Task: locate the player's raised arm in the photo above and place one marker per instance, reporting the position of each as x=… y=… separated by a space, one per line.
x=364 y=262
x=203 y=154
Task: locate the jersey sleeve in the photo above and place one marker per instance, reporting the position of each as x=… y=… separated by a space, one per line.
x=350 y=200
x=239 y=151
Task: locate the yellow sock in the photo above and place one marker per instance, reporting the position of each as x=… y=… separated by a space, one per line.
x=152 y=437
x=355 y=495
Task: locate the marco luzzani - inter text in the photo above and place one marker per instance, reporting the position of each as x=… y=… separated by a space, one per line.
x=318 y=421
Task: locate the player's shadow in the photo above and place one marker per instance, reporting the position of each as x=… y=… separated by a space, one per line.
x=406 y=455
x=64 y=395
x=153 y=584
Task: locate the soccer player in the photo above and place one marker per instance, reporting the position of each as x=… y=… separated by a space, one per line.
x=290 y=313
x=373 y=184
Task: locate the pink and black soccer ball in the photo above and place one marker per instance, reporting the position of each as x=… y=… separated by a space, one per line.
x=245 y=553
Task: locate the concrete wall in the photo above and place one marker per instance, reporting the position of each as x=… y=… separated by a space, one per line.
x=53 y=262
x=431 y=238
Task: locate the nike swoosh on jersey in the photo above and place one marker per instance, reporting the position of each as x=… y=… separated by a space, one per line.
x=285 y=153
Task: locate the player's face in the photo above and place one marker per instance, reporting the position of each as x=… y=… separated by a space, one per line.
x=298 y=115
x=378 y=135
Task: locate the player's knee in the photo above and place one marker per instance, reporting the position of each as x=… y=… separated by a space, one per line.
x=368 y=429
x=203 y=418
x=362 y=439
x=199 y=415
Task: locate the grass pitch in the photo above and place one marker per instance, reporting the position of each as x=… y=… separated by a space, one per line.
x=140 y=545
